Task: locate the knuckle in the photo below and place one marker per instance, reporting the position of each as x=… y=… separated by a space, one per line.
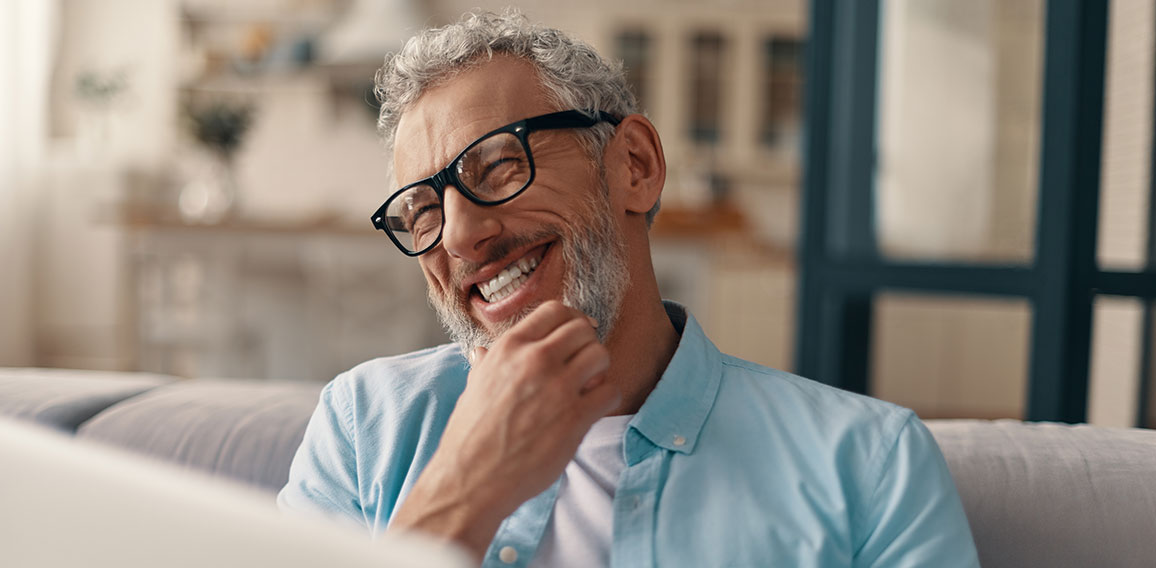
x=554 y=307
x=536 y=360
x=598 y=360
x=600 y=351
x=502 y=346
x=576 y=328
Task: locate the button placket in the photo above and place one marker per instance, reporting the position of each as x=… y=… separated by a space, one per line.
x=634 y=515
x=518 y=537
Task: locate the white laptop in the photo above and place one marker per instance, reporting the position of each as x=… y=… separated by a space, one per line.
x=66 y=502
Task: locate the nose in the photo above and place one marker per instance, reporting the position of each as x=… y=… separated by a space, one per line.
x=468 y=226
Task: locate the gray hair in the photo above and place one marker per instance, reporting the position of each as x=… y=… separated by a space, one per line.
x=573 y=74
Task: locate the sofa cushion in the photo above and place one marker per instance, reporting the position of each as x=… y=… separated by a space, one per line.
x=245 y=430
x=64 y=398
x=1054 y=495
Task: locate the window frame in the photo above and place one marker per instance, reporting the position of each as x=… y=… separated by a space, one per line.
x=841 y=270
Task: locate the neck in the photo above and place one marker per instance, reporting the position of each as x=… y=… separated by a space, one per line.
x=641 y=345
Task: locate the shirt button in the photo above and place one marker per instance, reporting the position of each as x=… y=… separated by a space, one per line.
x=636 y=502
x=508 y=555
x=679 y=441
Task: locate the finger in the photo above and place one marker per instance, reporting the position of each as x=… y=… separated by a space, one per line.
x=592 y=383
x=543 y=320
x=476 y=355
x=598 y=402
x=568 y=339
x=591 y=360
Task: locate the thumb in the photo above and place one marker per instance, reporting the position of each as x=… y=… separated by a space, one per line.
x=477 y=355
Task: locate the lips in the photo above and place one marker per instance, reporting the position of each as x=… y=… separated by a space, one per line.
x=502 y=289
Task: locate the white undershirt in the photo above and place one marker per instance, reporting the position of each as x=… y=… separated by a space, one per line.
x=579 y=530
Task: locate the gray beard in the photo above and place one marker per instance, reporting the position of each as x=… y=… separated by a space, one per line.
x=595 y=281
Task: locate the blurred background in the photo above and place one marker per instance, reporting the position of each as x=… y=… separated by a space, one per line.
x=185 y=188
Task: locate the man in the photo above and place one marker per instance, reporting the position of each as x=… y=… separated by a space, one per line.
x=579 y=420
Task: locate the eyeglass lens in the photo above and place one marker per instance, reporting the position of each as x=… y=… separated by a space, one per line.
x=491 y=170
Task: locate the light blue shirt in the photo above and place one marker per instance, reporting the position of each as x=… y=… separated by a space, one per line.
x=728 y=463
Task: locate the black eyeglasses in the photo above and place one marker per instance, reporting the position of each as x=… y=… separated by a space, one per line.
x=491 y=171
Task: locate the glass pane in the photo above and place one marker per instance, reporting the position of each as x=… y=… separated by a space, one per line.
x=1148 y=378
x=633 y=48
x=959 y=123
x=780 y=126
x=1127 y=151
x=951 y=357
x=706 y=61
x=1115 y=368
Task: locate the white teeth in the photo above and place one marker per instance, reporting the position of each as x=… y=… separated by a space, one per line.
x=506 y=276
x=508 y=280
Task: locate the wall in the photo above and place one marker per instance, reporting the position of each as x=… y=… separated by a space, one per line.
x=80 y=309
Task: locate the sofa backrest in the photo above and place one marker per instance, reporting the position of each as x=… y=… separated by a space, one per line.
x=63 y=399
x=1054 y=495
x=244 y=430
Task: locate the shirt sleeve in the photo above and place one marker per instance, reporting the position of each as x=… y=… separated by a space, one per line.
x=323 y=475
x=914 y=516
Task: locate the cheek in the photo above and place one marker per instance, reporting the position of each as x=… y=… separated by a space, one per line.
x=436 y=272
x=568 y=202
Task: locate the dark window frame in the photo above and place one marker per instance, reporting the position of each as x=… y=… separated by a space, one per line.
x=841 y=270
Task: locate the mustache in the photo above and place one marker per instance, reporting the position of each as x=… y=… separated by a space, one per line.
x=499 y=249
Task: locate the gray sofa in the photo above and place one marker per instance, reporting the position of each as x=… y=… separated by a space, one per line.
x=1035 y=494
x=244 y=430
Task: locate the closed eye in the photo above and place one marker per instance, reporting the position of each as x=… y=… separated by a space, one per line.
x=497 y=164
x=418 y=215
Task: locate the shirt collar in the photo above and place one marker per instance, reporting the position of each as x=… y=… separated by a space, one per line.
x=673 y=415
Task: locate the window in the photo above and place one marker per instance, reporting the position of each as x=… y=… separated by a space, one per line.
x=1058 y=313
x=706 y=60
x=780 y=116
x=633 y=48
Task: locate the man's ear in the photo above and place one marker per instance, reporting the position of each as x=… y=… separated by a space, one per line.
x=640 y=166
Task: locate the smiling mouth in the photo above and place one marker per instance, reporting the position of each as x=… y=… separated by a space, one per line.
x=510 y=278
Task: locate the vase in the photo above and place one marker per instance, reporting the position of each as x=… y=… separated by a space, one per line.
x=210 y=196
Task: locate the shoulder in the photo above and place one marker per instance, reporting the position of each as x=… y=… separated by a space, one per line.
x=436 y=375
x=847 y=425
x=806 y=395
x=843 y=441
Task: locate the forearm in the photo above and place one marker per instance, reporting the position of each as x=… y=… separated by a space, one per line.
x=444 y=507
